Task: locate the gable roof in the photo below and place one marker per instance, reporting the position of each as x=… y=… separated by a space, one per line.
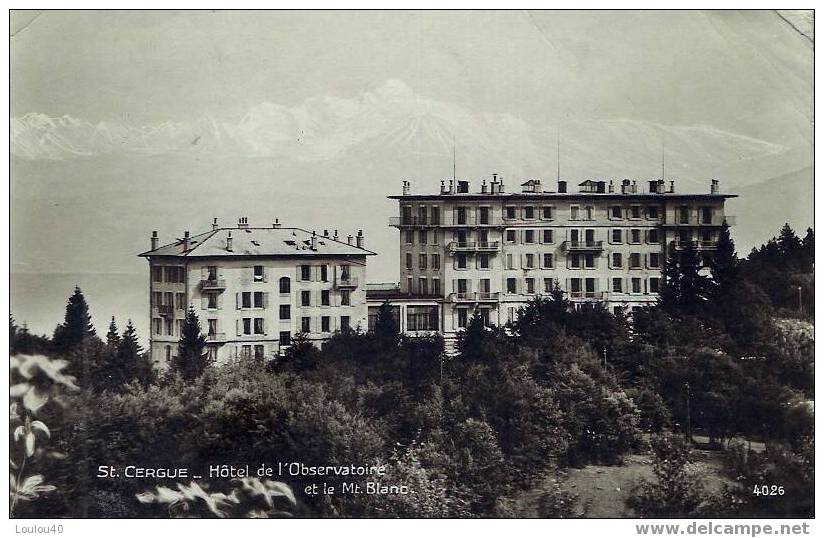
x=258 y=242
x=531 y=182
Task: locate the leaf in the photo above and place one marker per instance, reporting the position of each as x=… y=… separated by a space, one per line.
x=145 y=497
x=31 y=482
x=38 y=425
x=15 y=391
x=35 y=399
x=18 y=433
x=30 y=444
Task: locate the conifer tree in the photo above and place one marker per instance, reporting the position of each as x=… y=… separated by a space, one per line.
x=808 y=252
x=386 y=327
x=789 y=244
x=112 y=337
x=693 y=286
x=191 y=360
x=77 y=326
x=724 y=265
x=133 y=363
x=670 y=292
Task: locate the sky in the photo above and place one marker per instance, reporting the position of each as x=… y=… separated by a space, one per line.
x=326 y=112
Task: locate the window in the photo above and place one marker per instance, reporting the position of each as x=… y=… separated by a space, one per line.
x=509 y=263
x=509 y=212
x=211 y=272
x=653 y=237
x=654 y=260
x=589 y=212
x=530 y=285
x=683 y=215
x=324 y=273
x=181 y=301
x=546 y=212
x=423 y=287
x=511 y=286
x=157 y=298
x=324 y=324
x=409 y=236
x=616 y=236
x=530 y=261
x=285 y=285
x=212 y=300
x=615 y=212
x=436 y=261
x=345 y=298
x=635 y=236
x=483 y=215
x=168 y=353
x=422 y=214
x=212 y=330
x=247 y=325
x=305 y=298
x=548 y=285
x=511 y=236
x=575 y=287
x=284 y=338
x=483 y=261
x=706 y=215
x=324 y=298
x=246 y=299
x=305 y=272
x=462 y=286
x=548 y=261
x=635 y=212
x=529 y=236
x=436 y=237
x=574 y=212
x=259 y=329
x=547 y=236
x=575 y=261
x=344 y=323
x=245 y=352
x=529 y=212
x=422 y=318
x=635 y=261
x=463 y=315
x=436 y=286
x=636 y=285
x=285 y=311
x=436 y=215
x=589 y=287
x=654 y=284
x=169 y=326
x=421 y=261
x=157 y=273
x=652 y=212
x=461 y=215
x=409 y=284
x=258 y=273
x=589 y=261
x=618 y=285
x=258 y=353
x=259 y=299
x=409 y=261
x=617 y=259
x=422 y=237
x=460 y=259
x=305 y=324
x=170 y=298
x=485 y=285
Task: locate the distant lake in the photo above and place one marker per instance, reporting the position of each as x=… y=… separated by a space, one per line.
x=39 y=299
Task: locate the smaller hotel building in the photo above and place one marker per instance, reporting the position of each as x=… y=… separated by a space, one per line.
x=253 y=289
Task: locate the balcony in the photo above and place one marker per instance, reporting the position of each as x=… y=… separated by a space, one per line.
x=582 y=246
x=346 y=282
x=165 y=310
x=474 y=297
x=213 y=285
x=472 y=246
x=488 y=296
x=216 y=338
x=716 y=220
x=587 y=295
x=699 y=245
x=413 y=220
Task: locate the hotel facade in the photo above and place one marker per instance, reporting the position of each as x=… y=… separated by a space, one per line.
x=254 y=289
x=490 y=252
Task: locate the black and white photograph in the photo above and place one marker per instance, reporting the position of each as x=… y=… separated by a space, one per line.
x=419 y=264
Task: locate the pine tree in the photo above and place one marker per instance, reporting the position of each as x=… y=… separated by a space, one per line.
x=670 y=293
x=724 y=265
x=789 y=244
x=133 y=363
x=808 y=252
x=191 y=360
x=386 y=327
x=112 y=337
x=693 y=286
x=77 y=326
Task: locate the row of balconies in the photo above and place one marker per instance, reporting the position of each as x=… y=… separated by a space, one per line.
x=475 y=220
x=481 y=296
x=220 y=284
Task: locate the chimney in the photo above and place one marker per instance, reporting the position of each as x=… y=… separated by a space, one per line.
x=451 y=186
x=660 y=186
x=325 y=233
x=634 y=187
x=405 y=188
x=443 y=187
x=229 y=242
x=653 y=186
x=501 y=185
x=335 y=237
x=276 y=224
x=483 y=186
x=185 y=241
x=214 y=224
x=314 y=245
x=349 y=239
x=359 y=239
x=672 y=186
x=155 y=240
x=243 y=222
x=562 y=186
x=611 y=186
x=714 y=186
x=624 y=185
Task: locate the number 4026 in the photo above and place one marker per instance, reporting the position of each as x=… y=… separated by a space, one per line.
x=767 y=490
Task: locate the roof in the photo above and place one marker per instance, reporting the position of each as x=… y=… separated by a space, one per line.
x=258 y=242
x=646 y=196
x=531 y=182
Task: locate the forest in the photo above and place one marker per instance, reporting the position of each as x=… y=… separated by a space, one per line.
x=723 y=363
